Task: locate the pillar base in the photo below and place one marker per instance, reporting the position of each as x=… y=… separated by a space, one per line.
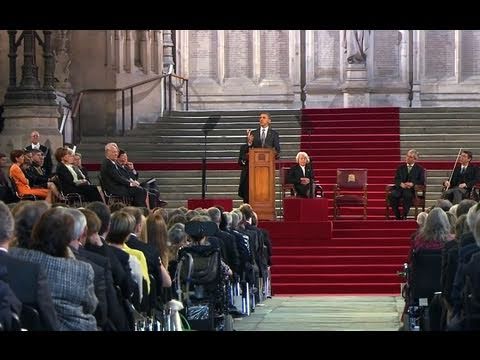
x=355 y=90
x=21 y=120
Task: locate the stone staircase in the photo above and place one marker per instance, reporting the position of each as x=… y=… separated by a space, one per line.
x=179 y=139
x=437 y=133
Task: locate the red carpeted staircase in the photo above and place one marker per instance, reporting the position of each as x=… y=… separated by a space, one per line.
x=354 y=138
x=357 y=256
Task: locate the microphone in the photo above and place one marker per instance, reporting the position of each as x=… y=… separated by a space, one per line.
x=311 y=177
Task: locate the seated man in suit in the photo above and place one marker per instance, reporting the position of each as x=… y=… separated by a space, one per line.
x=77 y=162
x=117 y=184
x=463 y=179
x=407 y=176
x=128 y=170
x=47 y=165
x=301 y=175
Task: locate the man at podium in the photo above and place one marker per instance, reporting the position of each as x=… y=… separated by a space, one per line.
x=263 y=137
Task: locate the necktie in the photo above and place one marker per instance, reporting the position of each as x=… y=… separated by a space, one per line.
x=263 y=137
x=79 y=173
x=409 y=168
x=462 y=170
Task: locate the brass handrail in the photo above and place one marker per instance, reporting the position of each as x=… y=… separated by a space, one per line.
x=78 y=99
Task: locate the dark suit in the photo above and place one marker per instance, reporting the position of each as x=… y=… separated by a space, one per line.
x=243 y=162
x=469 y=177
x=6 y=192
x=272 y=140
x=90 y=192
x=115 y=315
x=47 y=164
x=294 y=175
x=84 y=172
x=10 y=305
x=121 y=278
x=416 y=176
x=36 y=176
x=153 y=194
x=115 y=183
x=100 y=286
x=29 y=283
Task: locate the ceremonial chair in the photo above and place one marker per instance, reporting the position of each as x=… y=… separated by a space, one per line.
x=350 y=191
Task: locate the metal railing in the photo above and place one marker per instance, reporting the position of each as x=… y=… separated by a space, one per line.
x=166 y=97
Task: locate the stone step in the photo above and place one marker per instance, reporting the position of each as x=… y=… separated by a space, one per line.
x=434 y=130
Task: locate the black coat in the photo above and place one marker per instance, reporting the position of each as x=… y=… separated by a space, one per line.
x=243 y=162
x=271 y=141
x=295 y=174
x=47 y=154
x=112 y=179
x=469 y=177
x=416 y=176
x=29 y=283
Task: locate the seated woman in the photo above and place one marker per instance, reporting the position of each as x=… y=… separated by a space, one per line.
x=21 y=182
x=301 y=175
x=70 y=180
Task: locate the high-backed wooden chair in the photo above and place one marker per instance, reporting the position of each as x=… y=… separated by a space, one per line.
x=418 y=198
x=350 y=190
x=287 y=188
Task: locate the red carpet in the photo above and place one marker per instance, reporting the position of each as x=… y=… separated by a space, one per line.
x=357 y=257
x=361 y=257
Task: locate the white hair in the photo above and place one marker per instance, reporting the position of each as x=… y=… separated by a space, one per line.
x=421 y=218
x=302 y=153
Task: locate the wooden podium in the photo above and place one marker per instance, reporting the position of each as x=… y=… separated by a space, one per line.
x=261 y=182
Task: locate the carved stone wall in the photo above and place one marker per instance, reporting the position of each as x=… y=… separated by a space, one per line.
x=240 y=69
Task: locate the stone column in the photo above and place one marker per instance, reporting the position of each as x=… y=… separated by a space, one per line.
x=30 y=106
x=167 y=50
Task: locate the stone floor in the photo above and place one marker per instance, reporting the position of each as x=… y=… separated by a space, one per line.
x=325 y=313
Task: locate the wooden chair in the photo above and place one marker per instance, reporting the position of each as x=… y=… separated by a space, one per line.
x=418 y=198
x=350 y=190
x=287 y=187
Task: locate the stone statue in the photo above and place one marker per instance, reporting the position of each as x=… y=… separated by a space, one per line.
x=355 y=43
x=62 y=62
